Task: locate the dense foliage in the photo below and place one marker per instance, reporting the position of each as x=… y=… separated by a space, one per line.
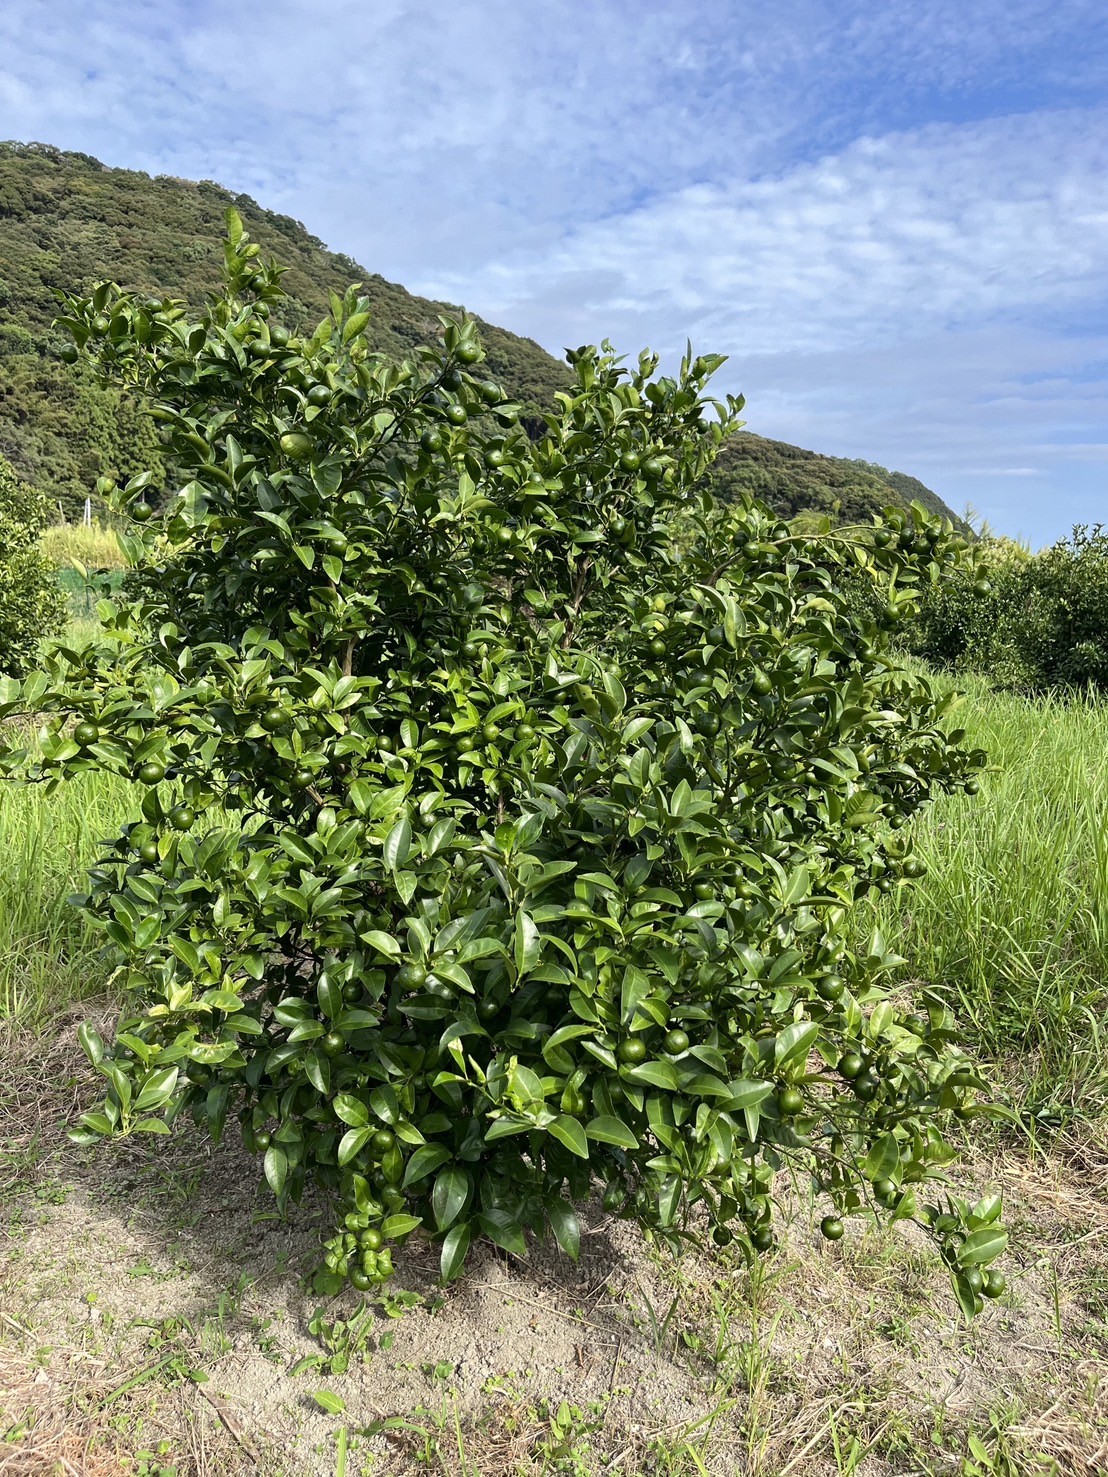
x=68 y=221
x=791 y=481
x=485 y=849
x=1031 y=621
x=30 y=602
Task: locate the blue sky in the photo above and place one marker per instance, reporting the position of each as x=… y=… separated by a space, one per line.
x=892 y=216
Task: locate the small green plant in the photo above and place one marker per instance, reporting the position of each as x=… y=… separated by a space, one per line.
x=484 y=845
x=342 y=1340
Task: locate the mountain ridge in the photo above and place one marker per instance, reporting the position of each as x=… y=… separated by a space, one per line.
x=68 y=220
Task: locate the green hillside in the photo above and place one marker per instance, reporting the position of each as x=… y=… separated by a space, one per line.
x=67 y=221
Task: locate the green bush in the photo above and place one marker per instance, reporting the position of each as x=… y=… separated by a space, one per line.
x=31 y=604
x=1033 y=622
x=1065 y=636
x=976 y=618
x=486 y=849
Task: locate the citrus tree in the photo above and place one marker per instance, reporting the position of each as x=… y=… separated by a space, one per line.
x=31 y=604
x=483 y=849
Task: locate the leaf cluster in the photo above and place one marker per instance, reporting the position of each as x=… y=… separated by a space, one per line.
x=487 y=844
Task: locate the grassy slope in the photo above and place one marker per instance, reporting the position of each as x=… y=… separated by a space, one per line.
x=67 y=221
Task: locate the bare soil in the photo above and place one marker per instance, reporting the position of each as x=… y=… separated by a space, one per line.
x=152 y=1302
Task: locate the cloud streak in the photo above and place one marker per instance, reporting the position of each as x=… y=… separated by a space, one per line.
x=891 y=214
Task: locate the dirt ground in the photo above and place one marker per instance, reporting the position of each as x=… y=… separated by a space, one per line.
x=156 y=1320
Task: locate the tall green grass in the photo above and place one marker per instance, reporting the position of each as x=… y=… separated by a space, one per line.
x=1011 y=921
x=49 y=957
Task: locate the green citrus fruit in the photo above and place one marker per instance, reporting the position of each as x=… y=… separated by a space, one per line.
x=995 y=1284
x=332 y=1044
x=86 y=734
x=789 y=1102
x=296 y=446
x=182 y=817
x=149 y=851
x=142 y=512
x=151 y=773
x=675 y=1042
x=468 y=353
x=829 y=987
x=411 y=976
x=457 y=415
x=274 y=719
x=831 y=1228
x=382 y=1141
x=262 y=1139
x=632 y=1051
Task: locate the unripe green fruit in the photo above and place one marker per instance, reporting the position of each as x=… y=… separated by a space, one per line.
x=319 y=395
x=69 y=354
x=632 y=1051
x=142 y=512
x=382 y=1141
x=974 y=1279
x=866 y=1086
x=182 y=817
x=457 y=415
x=411 y=976
x=332 y=1043
x=468 y=353
x=995 y=1284
x=151 y=773
x=432 y=442
x=86 y=734
x=675 y=1042
x=830 y=987
x=790 y=1102
x=296 y=446
x=723 y=1235
x=831 y=1228
x=274 y=719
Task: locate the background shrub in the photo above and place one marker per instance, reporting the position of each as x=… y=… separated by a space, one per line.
x=31 y=605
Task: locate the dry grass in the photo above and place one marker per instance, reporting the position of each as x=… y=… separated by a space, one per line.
x=93 y=545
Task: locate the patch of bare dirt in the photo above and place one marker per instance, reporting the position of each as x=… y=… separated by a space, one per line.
x=151 y=1301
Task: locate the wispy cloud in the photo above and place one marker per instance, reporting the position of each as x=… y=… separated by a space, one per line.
x=890 y=212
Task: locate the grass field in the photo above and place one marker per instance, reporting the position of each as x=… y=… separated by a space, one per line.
x=837 y=1362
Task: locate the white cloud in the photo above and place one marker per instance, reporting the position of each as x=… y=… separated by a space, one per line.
x=889 y=211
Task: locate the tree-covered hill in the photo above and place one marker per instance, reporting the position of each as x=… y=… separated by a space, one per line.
x=67 y=221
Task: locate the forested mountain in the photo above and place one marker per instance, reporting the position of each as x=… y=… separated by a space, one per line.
x=67 y=221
